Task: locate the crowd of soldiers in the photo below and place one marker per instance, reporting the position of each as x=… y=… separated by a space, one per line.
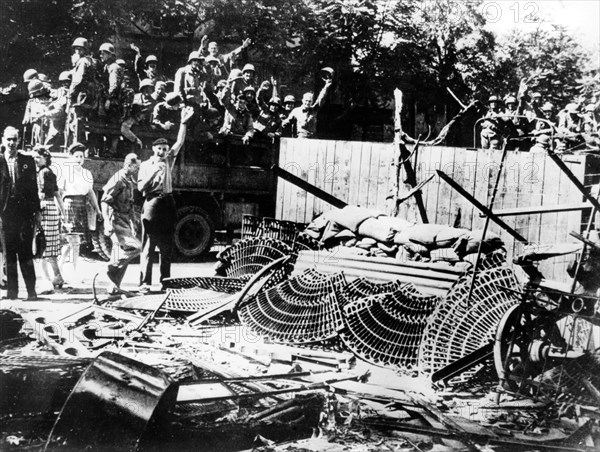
x=227 y=100
x=529 y=123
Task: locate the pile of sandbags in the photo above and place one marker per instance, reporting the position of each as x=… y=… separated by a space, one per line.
x=373 y=233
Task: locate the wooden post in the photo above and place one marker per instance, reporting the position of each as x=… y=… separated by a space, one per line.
x=402 y=158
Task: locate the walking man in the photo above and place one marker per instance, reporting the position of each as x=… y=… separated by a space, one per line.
x=158 y=213
x=119 y=220
x=21 y=216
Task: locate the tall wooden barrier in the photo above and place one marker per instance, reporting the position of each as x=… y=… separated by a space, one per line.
x=362 y=173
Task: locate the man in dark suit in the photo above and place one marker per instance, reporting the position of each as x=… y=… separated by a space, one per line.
x=21 y=215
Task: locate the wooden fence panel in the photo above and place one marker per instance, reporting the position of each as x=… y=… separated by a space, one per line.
x=362 y=173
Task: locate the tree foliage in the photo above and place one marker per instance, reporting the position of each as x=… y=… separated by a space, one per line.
x=422 y=47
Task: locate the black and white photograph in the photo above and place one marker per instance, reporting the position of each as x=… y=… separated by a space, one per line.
x=300 y=225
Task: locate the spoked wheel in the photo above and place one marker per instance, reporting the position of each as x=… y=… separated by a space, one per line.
x=528 y=343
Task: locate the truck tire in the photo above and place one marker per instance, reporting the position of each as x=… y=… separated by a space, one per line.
x=194 y=232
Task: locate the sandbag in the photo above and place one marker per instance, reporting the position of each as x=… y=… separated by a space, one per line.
x=376 y=229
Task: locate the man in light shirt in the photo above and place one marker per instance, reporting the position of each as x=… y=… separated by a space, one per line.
x=158 y=214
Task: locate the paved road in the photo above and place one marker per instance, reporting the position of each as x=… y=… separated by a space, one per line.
x=78 y=287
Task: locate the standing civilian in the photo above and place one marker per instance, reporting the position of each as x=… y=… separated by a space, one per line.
x=119 y=218
x=21 y=216
x=52 y=210
x=158 y=214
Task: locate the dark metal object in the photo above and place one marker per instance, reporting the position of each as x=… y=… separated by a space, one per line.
x=116 y=401
x=310 y=188
x=481 y=207
x=461 y=365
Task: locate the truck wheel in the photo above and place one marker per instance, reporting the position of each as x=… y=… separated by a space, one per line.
x=194 y=231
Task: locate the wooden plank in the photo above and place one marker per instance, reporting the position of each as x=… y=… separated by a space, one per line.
x=354 y=182
x=295 y=166
x=310 y=167
x=446 y=164
x=537 y=181
x=371 y=187
x=481 y=189
x=522 y=200
x=341 y=171
x=469 y=181
x=331 y=164
x=365 y=166
x=430 y=161
x=455 y=200
x=281 y=187
x=384 y=181
x=548 y=221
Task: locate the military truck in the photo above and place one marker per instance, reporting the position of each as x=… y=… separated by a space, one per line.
x=214 y=185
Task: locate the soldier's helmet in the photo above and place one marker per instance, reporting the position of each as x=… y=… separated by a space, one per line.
x=29 y=75
x=493 y=99
x=235 y=74
x=510 y=100
x=107 y=47
x=248 y=68
x=212 y=60
x=80 y=42
x=547 y=107
x=289 y=99
x=36 y=88
x=146 y=82
x=572 y=108
x=195 y=55
x=151 y=59
x=275 y=101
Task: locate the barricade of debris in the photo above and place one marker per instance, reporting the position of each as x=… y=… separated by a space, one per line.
x=272 y=353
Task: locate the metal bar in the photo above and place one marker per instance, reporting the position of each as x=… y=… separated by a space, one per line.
x=492 y=216
x=540 y=209
x=288 y=376
x=578 y=184
x=487 y=222
x=310 y=188
x=260 y=395
x=464 y=363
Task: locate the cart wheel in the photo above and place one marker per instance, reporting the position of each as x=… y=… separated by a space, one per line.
x=194 y=231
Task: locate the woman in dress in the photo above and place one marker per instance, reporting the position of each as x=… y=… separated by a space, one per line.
x=77 y=189
x=52 y=210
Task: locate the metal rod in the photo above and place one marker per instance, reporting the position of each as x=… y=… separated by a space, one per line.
x=491 y=215
x=487 y=222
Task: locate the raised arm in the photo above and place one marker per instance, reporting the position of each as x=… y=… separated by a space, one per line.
x=321 y=99
x=186 y=115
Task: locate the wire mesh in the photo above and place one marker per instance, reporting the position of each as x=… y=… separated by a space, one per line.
x=301 y=309
x=387 y=328
x=459 y=326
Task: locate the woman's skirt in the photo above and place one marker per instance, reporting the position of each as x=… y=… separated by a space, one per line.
x=50 y=225
x=75 y=215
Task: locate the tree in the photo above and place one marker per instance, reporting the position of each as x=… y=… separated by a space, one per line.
x=549 y=57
